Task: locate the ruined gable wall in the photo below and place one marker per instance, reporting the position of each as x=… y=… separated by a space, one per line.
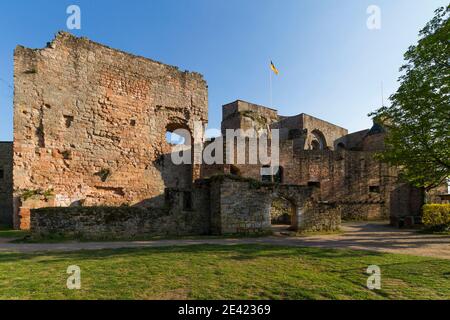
x=330 y=131
x=82 y=110
x=244 y=115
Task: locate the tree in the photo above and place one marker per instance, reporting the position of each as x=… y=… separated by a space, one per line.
x=418 y=120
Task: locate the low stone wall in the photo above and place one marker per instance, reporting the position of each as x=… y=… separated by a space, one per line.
x=240 y=207
x=320 y=217
x=114 y=222
x=358 y=211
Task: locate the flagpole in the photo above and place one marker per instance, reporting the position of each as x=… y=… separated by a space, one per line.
x=270 y=83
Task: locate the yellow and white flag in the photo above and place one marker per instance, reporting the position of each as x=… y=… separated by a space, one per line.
x=274 y=69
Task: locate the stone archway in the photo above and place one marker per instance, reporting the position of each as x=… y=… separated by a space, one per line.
x=283 y=214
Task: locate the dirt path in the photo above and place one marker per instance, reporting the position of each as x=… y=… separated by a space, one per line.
x=373 y=236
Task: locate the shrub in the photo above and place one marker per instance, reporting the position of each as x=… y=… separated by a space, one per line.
x=436 y=216
x=30 y=193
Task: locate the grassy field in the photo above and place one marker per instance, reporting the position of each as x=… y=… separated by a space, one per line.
x=6 y=232
x=222 y=272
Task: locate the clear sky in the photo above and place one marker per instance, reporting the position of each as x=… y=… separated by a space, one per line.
x=331 y=65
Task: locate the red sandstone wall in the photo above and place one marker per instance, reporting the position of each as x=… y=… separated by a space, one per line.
x=80 y=108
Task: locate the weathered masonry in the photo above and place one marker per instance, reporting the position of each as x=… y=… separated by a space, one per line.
x=6 y=183
x=91 y=157
x=90 y=124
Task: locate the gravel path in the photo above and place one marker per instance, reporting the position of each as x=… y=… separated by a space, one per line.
x=373 y=236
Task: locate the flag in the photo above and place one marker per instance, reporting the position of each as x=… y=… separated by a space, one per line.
x=274 y=69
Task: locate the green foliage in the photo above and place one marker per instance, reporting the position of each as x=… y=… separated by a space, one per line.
x=417 y=122
x=31 y=193
x=11 y=234
x=66 y=154
x=436 y=216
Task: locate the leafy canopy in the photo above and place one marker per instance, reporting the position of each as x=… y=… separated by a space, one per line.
x=418 y=120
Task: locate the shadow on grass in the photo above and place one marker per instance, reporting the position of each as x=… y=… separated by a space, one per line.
x=57 y=238
x=236 y=252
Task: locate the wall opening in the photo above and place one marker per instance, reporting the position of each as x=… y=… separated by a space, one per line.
x=173 y=138
x=315 y=184
x=177 y=173
x=187 y=201
x=68 y=121
x=282 y=214
x=341 y=146
x=279 y=175
x=318 y=141
x=374 y=189
x=235 y=171
x=2 y=174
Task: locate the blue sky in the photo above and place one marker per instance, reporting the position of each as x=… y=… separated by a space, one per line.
x=331 y=65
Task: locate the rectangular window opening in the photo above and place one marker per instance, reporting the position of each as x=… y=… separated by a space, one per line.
x=314 y=184
x=187 y=201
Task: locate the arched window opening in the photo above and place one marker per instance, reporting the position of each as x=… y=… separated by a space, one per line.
x=315 y=145
x=175 y=164
x=318 y=141
x=174 y=138
x=178 y=134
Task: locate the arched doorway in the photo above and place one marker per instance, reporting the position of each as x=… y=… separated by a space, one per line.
x=283 y=214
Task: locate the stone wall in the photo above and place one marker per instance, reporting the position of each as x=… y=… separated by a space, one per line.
x=244 y=115
x=6 y=183
x=90 y=123
x=319 y=217
x=186 y=212
x=355 y=180
x=349 y=176
x=97 y=223
x=406 y=205
x=241 y=205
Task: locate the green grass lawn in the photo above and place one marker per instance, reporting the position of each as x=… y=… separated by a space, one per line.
x=222 y=272
x=9 y=233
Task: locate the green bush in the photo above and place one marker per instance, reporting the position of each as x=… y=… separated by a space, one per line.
x=436 y=216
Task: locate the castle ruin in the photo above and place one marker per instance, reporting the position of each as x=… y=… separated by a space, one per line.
x=89 y=142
